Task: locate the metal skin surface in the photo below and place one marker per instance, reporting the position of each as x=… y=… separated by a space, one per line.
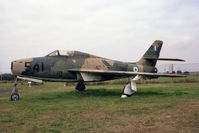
x=75 y=66
x=58 y=67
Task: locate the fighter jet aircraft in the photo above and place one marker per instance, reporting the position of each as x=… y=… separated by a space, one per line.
x=75 y=66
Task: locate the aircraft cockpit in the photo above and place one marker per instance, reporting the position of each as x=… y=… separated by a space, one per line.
x=61 y=53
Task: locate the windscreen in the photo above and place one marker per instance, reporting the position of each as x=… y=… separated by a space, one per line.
x=55 y=53
x=61 y=53
x=66 y=53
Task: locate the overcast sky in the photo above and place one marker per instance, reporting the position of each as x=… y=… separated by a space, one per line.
x=116 y=29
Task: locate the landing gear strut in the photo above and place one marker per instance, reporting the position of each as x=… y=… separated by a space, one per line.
x=14 y=96
x=80 y=86
x=130 y=88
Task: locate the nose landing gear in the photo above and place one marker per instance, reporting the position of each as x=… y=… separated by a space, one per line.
x=14 y=96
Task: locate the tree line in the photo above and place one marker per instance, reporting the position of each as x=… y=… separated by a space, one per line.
x=7 y=76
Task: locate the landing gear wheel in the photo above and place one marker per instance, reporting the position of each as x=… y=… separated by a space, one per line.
x=80 y=86
x=14 y=97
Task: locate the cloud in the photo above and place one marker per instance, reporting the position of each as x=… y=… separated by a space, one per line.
x=116 y=29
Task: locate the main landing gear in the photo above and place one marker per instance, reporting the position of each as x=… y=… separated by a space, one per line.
x=130 y=88
x=14 y=96
x=80 y=86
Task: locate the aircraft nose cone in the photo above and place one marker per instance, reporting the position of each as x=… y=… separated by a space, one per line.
x=18 y=66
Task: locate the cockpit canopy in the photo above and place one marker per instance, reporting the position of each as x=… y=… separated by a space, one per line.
x=61 y=53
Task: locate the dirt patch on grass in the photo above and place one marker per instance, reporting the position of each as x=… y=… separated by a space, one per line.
x=5 y=108
x=181 y=118
x=3 y=98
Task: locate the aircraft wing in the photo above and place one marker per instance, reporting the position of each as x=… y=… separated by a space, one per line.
x=89 y=74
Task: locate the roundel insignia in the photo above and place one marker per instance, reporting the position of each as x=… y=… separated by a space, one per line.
x=135 y=69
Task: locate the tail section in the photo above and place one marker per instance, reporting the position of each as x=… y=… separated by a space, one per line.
x=151 y=55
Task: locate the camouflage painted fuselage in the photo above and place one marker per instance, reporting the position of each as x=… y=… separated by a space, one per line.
x=56 y=67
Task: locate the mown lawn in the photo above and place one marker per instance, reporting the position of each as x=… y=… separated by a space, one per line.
x=164 y=106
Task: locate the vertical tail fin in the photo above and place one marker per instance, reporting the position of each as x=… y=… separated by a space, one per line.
x=152 y=54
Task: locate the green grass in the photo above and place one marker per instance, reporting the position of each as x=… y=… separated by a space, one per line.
x=51 y=107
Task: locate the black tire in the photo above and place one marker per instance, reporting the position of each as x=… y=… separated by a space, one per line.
x=14 y=97
x=80 y=86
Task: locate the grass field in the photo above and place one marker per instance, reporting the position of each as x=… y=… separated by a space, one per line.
x=160 y=105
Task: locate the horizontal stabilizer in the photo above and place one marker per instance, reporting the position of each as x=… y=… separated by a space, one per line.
x=164 y=59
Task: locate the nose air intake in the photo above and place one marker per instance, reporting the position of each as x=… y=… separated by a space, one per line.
x=12 y=67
